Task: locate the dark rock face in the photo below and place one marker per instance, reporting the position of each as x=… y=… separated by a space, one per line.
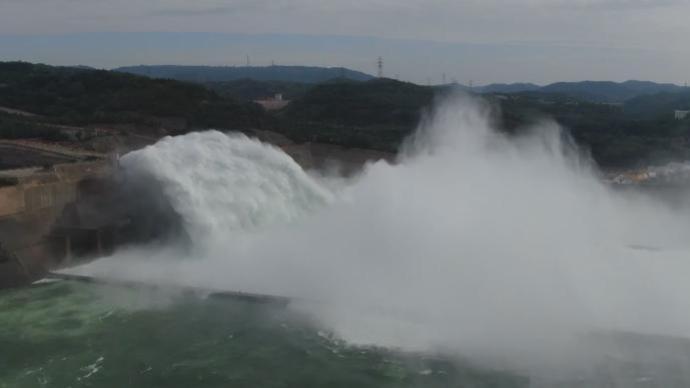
x=49 y=220
x=12 y=271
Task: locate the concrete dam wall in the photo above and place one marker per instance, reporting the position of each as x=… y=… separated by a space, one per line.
x=76 y=209
x=38 y=227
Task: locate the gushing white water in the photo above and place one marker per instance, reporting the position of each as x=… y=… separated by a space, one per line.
x=473 y=242
x=222 y=184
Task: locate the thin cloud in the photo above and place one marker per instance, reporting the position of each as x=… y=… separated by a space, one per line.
x=231 y=7
x=236 y=6
x=597 y=24
x=615 y=5
x=199 y=11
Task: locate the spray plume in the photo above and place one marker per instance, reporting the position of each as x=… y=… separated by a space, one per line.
x=506 y=249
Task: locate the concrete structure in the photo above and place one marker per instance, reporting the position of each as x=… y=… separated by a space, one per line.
x=72 y=205
x=274 y=103
x=681 y=114
x=37 y=231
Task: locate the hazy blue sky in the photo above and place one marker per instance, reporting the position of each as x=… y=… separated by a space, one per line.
x=482 y=40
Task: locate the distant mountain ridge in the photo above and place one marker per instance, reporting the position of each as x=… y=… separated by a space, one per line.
x=77 y=96
x=509 y=88
x=606 y=91
x=203 y=74
x=595 y=91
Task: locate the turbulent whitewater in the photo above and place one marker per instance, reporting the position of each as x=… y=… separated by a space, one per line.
x=504 y=248
x=227 y=183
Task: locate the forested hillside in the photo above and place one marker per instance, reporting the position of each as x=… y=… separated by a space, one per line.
x=377 y=114
x=250 y=90
x=80 y=96
x=374 y=114
x=381 y=113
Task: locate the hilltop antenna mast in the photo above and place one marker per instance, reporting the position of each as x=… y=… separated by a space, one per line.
x=248 y=61
x=380 y=65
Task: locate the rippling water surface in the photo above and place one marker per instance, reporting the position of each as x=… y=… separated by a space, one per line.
x=68 y=334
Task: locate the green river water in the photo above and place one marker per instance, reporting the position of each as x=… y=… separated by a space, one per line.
x=70 y=334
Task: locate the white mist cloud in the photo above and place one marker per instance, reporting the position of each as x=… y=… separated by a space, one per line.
x=494 y=248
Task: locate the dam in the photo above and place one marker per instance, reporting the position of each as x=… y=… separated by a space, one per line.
x=43 y=223
x=60 y=204
x=257 y=222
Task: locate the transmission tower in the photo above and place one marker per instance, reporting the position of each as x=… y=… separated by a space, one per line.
x=380 y=65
